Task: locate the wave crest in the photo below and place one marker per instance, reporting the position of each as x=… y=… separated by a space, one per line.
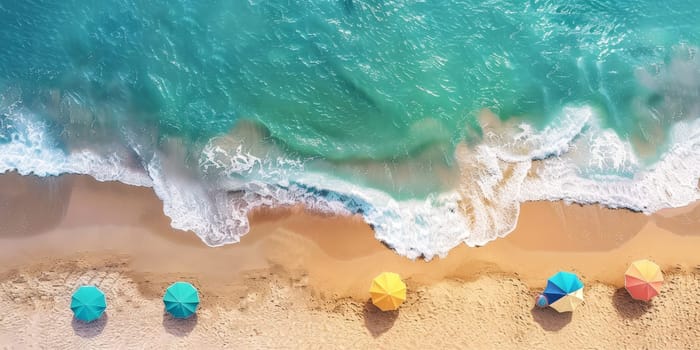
x=574 y=159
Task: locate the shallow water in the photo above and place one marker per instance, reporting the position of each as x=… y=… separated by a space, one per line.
x=424 y=117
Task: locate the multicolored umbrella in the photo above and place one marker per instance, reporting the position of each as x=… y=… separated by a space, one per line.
x=88 y=303
x=181 y=299
x=643 y=280
x=387 y=291
x=564 y=291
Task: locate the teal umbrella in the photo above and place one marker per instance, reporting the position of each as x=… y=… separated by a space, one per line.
x=88 y=303
x=181 y=299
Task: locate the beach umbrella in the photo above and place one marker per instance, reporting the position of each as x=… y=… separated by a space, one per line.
x=181 y=299
x=643 y=280
x=387 y=291
x=88 y=303
x=564 y=291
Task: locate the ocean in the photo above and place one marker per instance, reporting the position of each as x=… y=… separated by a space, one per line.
x=433 y=120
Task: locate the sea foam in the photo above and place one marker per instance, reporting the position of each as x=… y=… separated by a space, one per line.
x=574 y=159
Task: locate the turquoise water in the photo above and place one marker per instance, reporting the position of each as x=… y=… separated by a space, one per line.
x=330 y=78
x=377 y=94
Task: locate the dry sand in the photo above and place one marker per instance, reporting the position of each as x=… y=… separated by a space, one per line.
x=299 y=280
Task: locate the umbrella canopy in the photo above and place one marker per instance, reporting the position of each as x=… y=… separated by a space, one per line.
x=564 y=291
x=88 y=303
x=643 y=280
x=387 y=291
x=181 y=299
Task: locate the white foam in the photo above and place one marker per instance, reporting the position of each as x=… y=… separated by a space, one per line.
x=593 y=166
x=525 y=143
x=574 y=160
x=670 y=182
x=31 y=151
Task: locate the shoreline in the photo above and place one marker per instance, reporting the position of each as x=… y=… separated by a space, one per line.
x=299 y=239
x=75 y=225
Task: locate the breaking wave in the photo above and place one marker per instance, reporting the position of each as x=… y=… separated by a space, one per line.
x=575 y=160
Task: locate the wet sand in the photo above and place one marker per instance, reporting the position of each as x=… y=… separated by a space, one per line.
x=299 y=279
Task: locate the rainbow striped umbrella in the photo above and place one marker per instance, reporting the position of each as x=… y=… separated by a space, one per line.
x=564 y=291
x=643 y=280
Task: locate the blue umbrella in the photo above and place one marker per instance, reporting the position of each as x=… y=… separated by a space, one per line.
x=88 y=303
x=181 y=300
x=564 y=291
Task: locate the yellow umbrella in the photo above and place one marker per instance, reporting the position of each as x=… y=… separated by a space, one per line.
x=387 y=291
x=643 y=280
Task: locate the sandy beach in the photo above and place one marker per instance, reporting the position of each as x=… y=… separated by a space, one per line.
x=299 y=279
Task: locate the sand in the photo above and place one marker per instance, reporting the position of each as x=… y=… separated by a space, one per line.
x=299 y=279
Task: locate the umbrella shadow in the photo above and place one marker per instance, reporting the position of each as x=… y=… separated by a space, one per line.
x=180 y=327
x=549 y=319
x=89 y=329
x=378 y=321
x=628 y=307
